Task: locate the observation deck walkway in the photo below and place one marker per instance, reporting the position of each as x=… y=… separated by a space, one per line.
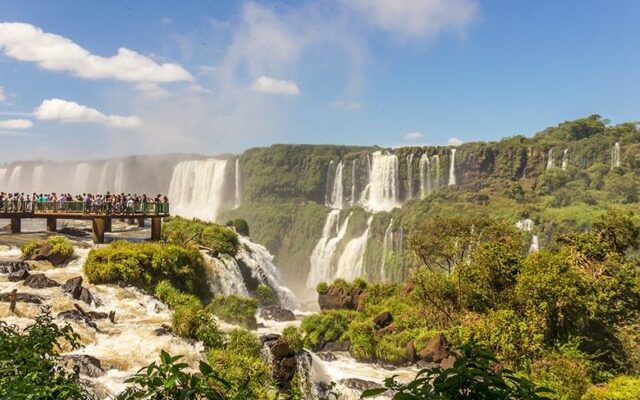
x=101 y=216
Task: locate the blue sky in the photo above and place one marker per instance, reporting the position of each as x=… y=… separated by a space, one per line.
x=212 y=77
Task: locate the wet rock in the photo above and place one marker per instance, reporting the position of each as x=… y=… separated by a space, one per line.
x=337 y=298
x=269 y=337
x=280 y=349
x=19 y=275
x=164 y=330
x=412 y=355
x=340 y=345
x=283 y=372
x=436 y=349
x=40 y=281
x=359 y=384
x=97 y=315
x=383 y=320
x=78 y=316
x=327 y=356
x=85 y=364
x=7 y=267
x=23 y=297
x=86 y=296
x=448 y=362
x=45 y=253
x=73 y=287
x=75 y=232
x=277 y=313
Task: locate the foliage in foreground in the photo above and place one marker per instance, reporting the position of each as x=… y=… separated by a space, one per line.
x=60 y=246
x=235 y=310
x=184 y=232
x=472 y=377
x=30 y=364
x=168 y=380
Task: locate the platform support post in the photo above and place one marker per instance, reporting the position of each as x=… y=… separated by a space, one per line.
x=52 y=225
x=16 y=225
x=98 y=230
x=156 y=228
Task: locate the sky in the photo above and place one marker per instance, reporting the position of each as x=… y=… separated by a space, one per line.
x=89 y=79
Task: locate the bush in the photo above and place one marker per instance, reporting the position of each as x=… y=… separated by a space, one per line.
x=322 y=288
x=620 y=388
x=216 y=237
x=326 y=326
x=60 y=246
x=235 y=310
x=242 y=341
x=292 y=336
x=567 y=372
x=30 y=248
x=144 y=265
x=241 y=226
x=265 y=295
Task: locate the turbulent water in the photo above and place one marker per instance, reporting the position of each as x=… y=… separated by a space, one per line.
x=351 y=263
x=383 y=183
x=323 y=257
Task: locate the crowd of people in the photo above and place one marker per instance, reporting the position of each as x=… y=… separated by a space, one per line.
x=87 y=203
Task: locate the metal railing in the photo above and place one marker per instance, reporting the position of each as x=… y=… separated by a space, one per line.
x=81 y=207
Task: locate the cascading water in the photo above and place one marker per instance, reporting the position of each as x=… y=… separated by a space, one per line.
x=81 y=178
x=425 y=176
x=322 y=258
x=351 y=262
x=118 y=183
x=238 y=200
x=615 y=155
x=196 y=189
x=224 y=275
x=387 y=249
x=383 y=183
x=329 y=184
x=550 y=162
x=527 y=225
x=436 y=166
x=410 y=176
x=37 y=181
x=353 y=182
x=3 y=173
x=565 y=159
x=14 y=179
x=336 y=199
x=102 y=181
x=452 y=168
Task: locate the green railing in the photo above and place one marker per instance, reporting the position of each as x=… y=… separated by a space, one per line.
x=80 y=207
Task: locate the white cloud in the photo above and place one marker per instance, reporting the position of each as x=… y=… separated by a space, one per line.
x=26 y=42
x=3 y=97
x=70 y=111
x=416 y=18
x=454 y=142
x=413 y=136
x=18 y=124
x=346 y=105
x=151 y=90
x=264 y=84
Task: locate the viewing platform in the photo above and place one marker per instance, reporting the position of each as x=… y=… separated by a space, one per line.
x=101 y=216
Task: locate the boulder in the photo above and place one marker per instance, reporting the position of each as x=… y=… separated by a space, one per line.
x=283 y=372
x=19 y=275
x=85 y=364
x=45 y=254
x=86 y=296
x=23 y=297
x=269 y=337
x=7 y=267
x=78 y=316
x=383 y=320
x=359 y=384
x=337 y=298
x=164 y=330
x=75 y=232
x=448 y=362
x=40 y=281
x=436 y=349
x=277 y=313
x=73 y=287
x=97 y=315
x=280 y=349
x=327 y=356
x=340 y=345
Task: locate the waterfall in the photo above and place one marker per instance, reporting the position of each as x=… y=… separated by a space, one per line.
x=224 y=275
x=527 y=225
x=550 y=162
x=237 y=186
x=118 y=183
x=323 y=254
x=102 y=181
x=81 y=178
x=329 y=185
x=425 y=176
x=3 y=173
x=351 y=262
x=410 y=176
x=387 y=249
x=353 y=182
x=436 y=164
x=534 y=244
x=565 y=159
x=14 y=179
x=37 y=181
x=615 y=155
x=196 y=189
x=383 y=183
x=336 y=197
x=452 y=168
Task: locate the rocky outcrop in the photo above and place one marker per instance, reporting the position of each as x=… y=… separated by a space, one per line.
x=45 y=253
x=283 y=359
x=85 y=364
x=22 y=297
x=164 y=330
x=7 y=267
x=337 y=298
x=78 y=316
x=383 y=320
x=359 y=384
x=277 y=313
x=327 y=356
x=340 y=345
x=73 y=287
x=436 y=350
x=19 y=275
x=40 y=281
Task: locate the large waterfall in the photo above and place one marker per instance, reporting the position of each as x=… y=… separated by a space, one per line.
x=425 y=176
x=351 y=263
x=322 y=258
x=383 y=183
x=336 y=197
x=387 y=249
x=196 y=189
x=238 y=200
x=410 y=176
x=436 y=166
x=565 y=159
x=550 y=162
x=615 y=155
x=452 y=168
x=353 y=182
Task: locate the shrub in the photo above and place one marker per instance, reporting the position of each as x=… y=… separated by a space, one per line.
x=326 y=326
x=363 y=341
x=566 y=371
x=242 y=341
x=216 y=237
x=241 y=226
x=620 y=388
x=292 y=336
x=30 y=248
x=60 y=246
x=265 y=295
x=322 y=288
x=235 y=310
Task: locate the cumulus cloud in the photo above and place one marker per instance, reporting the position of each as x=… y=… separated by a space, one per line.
x=413 y=136
x=25 y=42
x=17 y=124
x=264 y=84
x=454 y=142
x=416 y=18
x=70 y=111
x=151 y=90
x=3 y=97
x=346 y=105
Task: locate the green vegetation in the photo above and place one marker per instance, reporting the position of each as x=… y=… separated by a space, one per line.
x=30 y=362
x=60 y=247
x=265 y=295
x=328 y=326
x=184 y=232
x=235 y=310
x=620 y=388
x=240 y=225
x=293 y=338
x=144 y=265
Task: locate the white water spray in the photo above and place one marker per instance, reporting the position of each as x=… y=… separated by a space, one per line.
x=410 y=176
x=436 y=166
x=527 y=225
x=383 y=183
x=237 y=184
x=425 y=176
x=14 y=179
x=565 y=159
x=336 y=199
x=550 y=162
x=351 y=263
x=452 y=168
x=118 y=183
x=353 y=182
x=615 y=155
x=323 y=255
x=387 y=249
